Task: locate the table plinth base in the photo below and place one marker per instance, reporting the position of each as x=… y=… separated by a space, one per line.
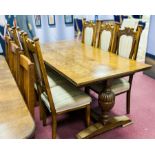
x=99 y=128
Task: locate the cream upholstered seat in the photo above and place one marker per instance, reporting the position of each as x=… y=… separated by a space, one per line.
x=66 y=97
x=54 y=79
x=118 y=86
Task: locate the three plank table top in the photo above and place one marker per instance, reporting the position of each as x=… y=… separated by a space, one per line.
x=84 y=65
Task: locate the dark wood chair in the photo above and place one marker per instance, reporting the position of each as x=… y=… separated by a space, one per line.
x=126 y=46
x=26 y=82
x=59 y=99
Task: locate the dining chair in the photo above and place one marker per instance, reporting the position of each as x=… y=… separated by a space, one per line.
x=89 y=33
x=26 y=81
x=126 y=46
x=59 y=99
x=107 y=36
x=22 y=38
x=14 y=50
x=7 y=48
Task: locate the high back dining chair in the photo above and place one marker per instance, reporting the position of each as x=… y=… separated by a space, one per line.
x=127 y=42
x=126 y=46
x=107 y=36
x=22 y=38
x=7 y=47
x=13 y=33
x=13 y=59
x=58 y=99
x=89 y=33
x=26 y=81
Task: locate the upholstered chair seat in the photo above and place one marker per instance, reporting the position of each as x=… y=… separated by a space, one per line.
x=55 y=79
x=66 y=97
x=118 y=86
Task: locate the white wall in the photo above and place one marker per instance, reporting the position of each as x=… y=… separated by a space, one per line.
x=151 y=36
x=58 y=32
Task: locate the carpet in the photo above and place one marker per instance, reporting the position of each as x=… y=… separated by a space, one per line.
x=142 y=114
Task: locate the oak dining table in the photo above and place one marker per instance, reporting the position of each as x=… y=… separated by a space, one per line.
x=84 y=65
x=15 y=119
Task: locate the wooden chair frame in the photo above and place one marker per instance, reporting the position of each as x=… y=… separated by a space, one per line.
x=22 y=37
x=90 y=24
x=113 y=30
x=133 y=56
x=13 y=59
x=43 y=86
x=26 y=81
x=7 y=47
x=128 y=32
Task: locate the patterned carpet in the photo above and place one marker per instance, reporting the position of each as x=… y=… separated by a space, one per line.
x=142 y=114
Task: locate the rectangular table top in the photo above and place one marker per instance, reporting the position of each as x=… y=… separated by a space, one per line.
x=15 y=118
x=83 y=65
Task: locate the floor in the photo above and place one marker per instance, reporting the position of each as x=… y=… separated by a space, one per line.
x=142 y=114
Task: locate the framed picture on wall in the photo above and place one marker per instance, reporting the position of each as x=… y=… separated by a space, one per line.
x=37 y=19
x=68 y=19
x=51 y=20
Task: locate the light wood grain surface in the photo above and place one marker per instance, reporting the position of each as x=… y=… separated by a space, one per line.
x=83 y=65
x=15 y=119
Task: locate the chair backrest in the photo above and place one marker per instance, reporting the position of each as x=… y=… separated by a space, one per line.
x=107 y=37
x=127 y=43
x=26 y=81
x=88 y=33
x=22 y=37
x=13 y=58
x=7 y=47
x=42 y=81
x=13 y=32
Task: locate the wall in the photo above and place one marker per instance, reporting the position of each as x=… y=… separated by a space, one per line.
x=92 y=17
x=151 y=37
x=58 y=32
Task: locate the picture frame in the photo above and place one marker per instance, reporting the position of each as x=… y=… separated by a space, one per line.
x=51 y=20
x=68 y=19
x=37 y=19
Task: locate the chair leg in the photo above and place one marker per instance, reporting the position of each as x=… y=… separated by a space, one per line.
x=87 y=90
x=43 y=113
x=41 y=110
x=88 y=115
x=54 y=127
x=128 y=102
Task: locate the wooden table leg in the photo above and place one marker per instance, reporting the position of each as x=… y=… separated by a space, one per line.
x=106 y=122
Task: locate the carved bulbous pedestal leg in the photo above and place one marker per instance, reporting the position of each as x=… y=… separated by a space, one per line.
x=106 y=103
x=104 y=122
